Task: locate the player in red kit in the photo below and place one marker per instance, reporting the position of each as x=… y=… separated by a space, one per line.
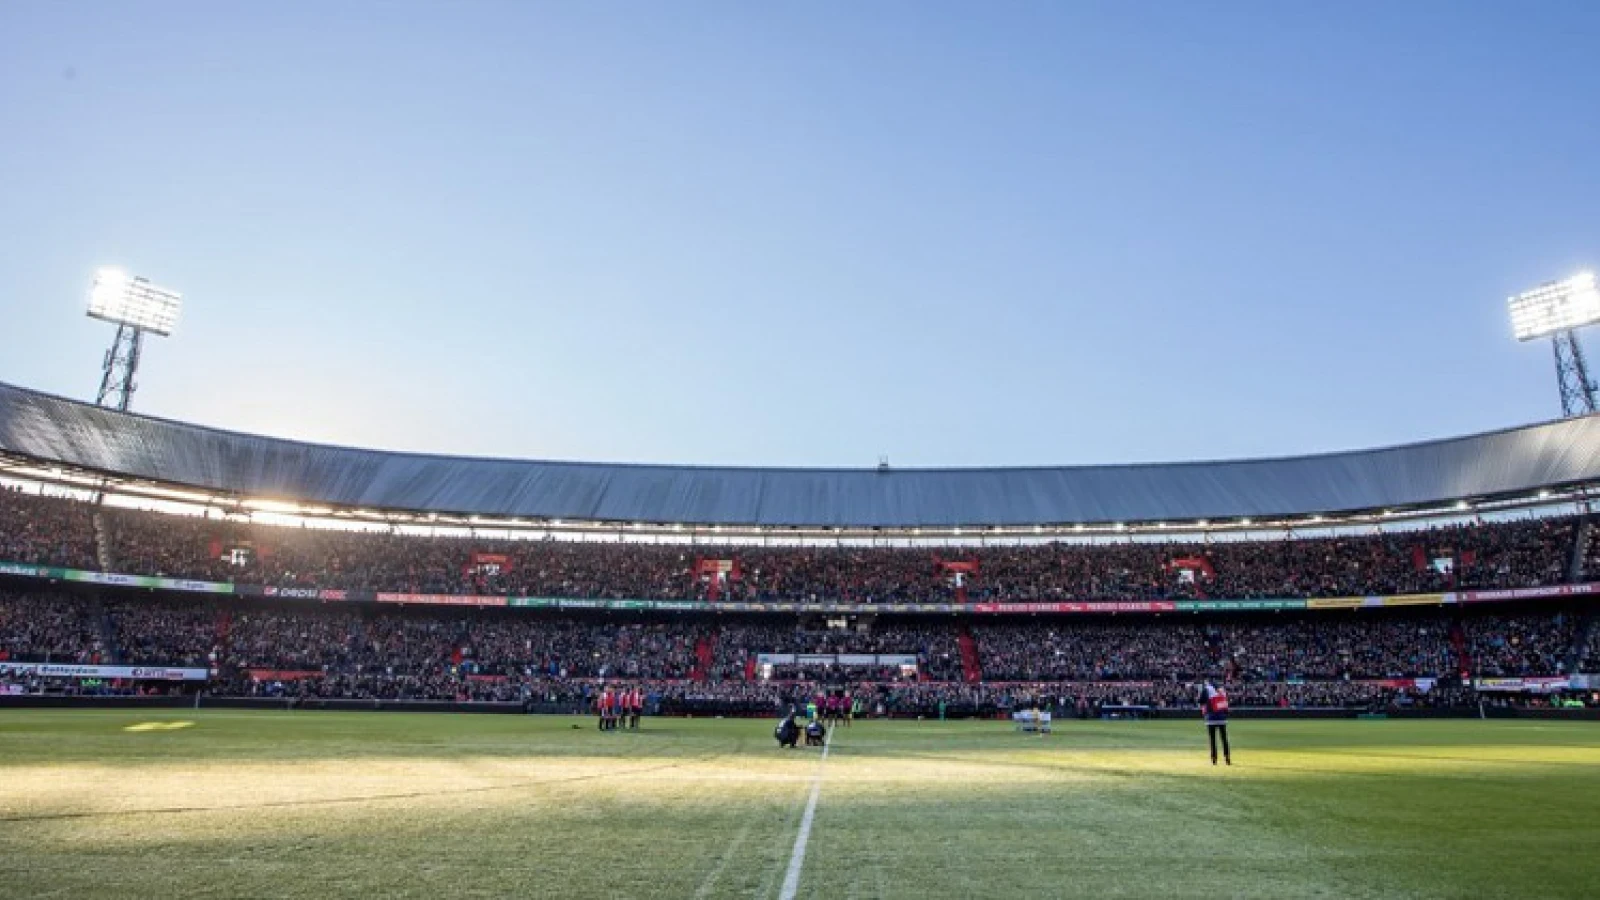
x=1214 y=705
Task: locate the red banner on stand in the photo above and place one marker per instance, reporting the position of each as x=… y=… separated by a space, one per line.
x=716 y=573
x=960 y=571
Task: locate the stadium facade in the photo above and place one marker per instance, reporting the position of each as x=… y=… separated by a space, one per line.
x=1551 y=460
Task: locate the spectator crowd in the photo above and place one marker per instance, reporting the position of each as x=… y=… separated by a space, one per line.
x=1512 y=554
x=1310 y=647
x=384 y=651
x=389 y=651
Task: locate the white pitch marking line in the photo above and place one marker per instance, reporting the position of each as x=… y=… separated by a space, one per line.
x=791 y=878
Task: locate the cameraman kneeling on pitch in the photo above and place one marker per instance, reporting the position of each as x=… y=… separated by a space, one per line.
x=787 y=732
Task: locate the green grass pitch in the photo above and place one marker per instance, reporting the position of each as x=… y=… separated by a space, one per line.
x=316 y=805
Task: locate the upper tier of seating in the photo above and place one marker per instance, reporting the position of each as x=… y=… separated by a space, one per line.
x=1514 y=554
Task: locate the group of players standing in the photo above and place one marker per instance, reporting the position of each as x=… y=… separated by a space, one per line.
x=619 y=708
x=836 y=708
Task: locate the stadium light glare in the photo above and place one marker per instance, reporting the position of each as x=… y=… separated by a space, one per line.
x=121 y=299
x=1555 y=307
x=109 y=283
x=274 y=506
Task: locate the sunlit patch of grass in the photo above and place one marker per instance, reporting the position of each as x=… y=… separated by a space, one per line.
x=159 y=726
x=384 y=805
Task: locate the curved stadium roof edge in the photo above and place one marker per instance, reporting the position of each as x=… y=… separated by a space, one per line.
x=1501 y=463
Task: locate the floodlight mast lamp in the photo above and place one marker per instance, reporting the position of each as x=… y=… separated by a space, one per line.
x=135 y=306
x=1558 y=310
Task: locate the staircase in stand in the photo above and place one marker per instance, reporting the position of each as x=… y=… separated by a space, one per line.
x=705 y=654
x=110 y=651
x=1580 y=552
x=102 y=542
x=223 y=649
x=971 y=668
x=1582 y=635
x=1458 y=642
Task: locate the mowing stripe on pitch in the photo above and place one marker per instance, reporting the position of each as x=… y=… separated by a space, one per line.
x=791 y=878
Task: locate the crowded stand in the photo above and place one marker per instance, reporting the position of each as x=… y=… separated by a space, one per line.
x=375 y=651
x=381 y=651
x=336 y=640
x=1509 y=646
x=935 y=646
x=1509 y=554
x=49 y=628
x=313 y=638
x=581 y=650
x=160 y=631
x=1311 y=648
x=44 y=530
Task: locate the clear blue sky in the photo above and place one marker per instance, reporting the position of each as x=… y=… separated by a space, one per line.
x=957 y=234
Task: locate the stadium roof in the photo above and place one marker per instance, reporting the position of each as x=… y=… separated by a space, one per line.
x=1513 y=462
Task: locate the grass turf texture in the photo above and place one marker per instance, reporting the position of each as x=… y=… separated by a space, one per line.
x=311 y=804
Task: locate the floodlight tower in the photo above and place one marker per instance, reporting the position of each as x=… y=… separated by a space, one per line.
x=1557 y=310
x=135 y=306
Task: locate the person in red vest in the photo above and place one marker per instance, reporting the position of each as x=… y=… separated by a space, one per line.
x=604 y=704
x=635 y=707
x=1214 y=705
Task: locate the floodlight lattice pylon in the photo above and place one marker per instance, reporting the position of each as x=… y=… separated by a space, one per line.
x=1572 y=375
x=119 y=368
x=136 y=307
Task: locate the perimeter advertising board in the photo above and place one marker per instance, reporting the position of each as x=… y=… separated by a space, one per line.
x=136 y=673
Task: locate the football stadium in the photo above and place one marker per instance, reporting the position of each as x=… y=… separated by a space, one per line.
x=394 y=677
x=247 y=650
